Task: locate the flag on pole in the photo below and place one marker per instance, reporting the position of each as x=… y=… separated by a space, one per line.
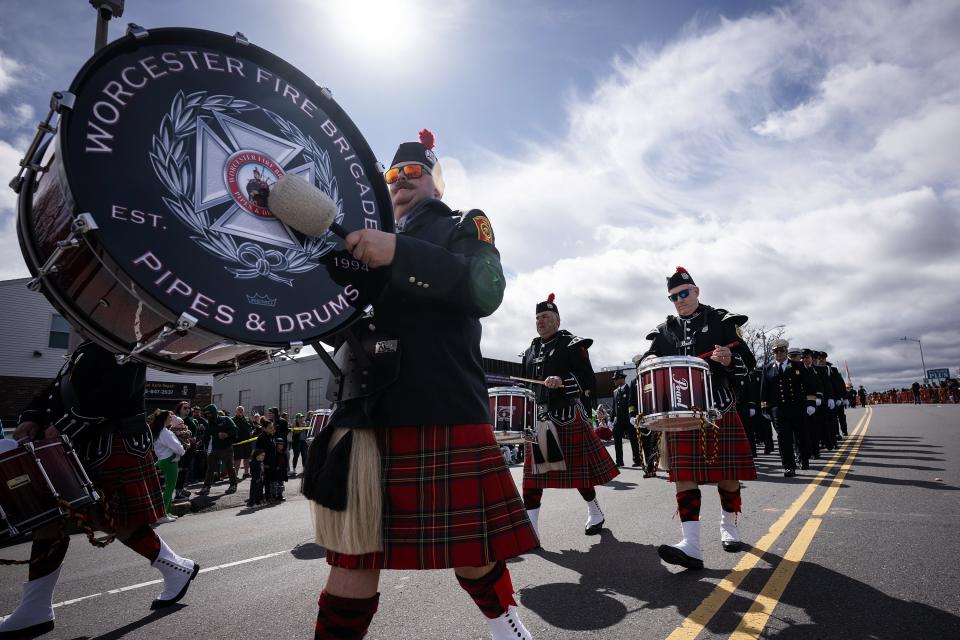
x=845 y=366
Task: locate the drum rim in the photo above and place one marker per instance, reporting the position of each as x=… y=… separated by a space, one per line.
x=658 y=362
x=518 y=392
x=187 y=36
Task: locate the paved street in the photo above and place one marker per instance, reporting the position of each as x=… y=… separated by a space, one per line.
x=864 y=545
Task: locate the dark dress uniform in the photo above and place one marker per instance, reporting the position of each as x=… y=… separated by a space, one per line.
x=620 y=414
x=826 y=430
x=788 y=390
x=449 y=500
x=588 y=464
x=691 y=336
x=839 y=394
x=98 y=404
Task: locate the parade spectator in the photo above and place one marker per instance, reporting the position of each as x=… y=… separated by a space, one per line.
x=266 y=442
x=221 y=434
x=282 y=429
x=243 y=449
x=279 y=476
x=182 y=412
x=168 y=450
x=916 y=392
x=200 y=459
x=256 y=478
x=298 y=442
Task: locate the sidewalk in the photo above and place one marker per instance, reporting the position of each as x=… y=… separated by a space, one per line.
x=217 y=499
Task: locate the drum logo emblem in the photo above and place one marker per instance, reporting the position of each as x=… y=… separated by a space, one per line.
x=217 y=171
x=680 y=385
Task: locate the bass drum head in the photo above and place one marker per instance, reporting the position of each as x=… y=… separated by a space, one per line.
x=172 y=145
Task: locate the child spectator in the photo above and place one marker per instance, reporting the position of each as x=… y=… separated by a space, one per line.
x=256 y=478
x=266 y=442
x=279 y=475
x=168 y=450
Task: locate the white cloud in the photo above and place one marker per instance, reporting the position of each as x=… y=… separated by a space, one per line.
x=20 y=115
x=9 y=70
x=801 y=164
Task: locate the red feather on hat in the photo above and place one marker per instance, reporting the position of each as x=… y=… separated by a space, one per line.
x=426 y=138
x=551 y=297
x=681 y=270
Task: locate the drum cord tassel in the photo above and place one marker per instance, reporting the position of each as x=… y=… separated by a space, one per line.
x=80 y=519
x=709 y=459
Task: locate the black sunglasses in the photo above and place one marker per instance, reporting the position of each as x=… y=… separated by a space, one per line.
x=679 y=295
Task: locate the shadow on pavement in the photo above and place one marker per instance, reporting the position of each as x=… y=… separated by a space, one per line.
x=133 y=626
x=308 y=551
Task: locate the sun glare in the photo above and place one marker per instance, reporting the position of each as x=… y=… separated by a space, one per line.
x=376 y=28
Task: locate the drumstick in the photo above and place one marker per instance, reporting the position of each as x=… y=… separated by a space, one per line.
x=531 y=380
x=735 y=343
x=304 y=207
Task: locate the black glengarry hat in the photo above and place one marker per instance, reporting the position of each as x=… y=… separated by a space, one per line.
x=548 y=305
x=680 y=276
x=619 y=375
x=421 y=151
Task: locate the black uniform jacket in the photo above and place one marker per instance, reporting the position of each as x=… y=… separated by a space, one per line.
x=823 y=372
x=790 y=390
x=698 y=334
x=417 y=359
x=839 y=386
x=624 y=405
x=91 y=400
x=563 y=355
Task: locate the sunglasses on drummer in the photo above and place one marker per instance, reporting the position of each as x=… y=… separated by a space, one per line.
x=680 y=295
x=411 y=171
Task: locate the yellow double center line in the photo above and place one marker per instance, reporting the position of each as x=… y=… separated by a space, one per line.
x=756 y=618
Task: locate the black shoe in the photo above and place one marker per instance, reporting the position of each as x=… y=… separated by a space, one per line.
x=637 y=463
x=619 y=463
x=231 y=489
x=768 y=451
x=732 y=546
x=790 y=473
x=594 y=530
x=805 y=466
x=672 y=555
x=204 y=491
x=160 y=604
x=29 y=632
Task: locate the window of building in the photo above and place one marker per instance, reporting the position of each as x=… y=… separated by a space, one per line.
x=59 y=332
x=217 y=399
x=244 y=400
x=313 y=393
x=286 y=397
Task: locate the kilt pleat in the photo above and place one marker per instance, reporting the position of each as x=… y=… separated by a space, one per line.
x=734 y=458
x=449 y=501
x=130 y=485
x=587 y=460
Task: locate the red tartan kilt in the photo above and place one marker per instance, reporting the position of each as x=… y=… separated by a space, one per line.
x=131 y=487
x=449 y=501
x=734 y=460
x=588 y=463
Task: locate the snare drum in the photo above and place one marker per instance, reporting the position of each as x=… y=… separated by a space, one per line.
x=512 y=411
x=32 y=479
x=674 y=392
x=320 y=419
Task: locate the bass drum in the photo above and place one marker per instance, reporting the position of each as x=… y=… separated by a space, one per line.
x=146 y=222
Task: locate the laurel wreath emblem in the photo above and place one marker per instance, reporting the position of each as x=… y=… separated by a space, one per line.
x=173 y=165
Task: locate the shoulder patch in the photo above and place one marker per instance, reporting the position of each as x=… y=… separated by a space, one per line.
x=484 y=230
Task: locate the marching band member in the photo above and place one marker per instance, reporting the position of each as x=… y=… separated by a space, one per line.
x=98 y=404
x=443 y=497
x=698 y=329
x=561 y=360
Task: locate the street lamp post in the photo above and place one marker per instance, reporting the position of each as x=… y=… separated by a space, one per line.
x=922 y=363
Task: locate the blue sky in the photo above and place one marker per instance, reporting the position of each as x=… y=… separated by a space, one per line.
x=798 y=157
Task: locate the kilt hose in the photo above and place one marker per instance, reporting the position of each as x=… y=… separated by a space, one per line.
x=448 y=501
x=131 y=487
x=734 y=458
x=588 y=463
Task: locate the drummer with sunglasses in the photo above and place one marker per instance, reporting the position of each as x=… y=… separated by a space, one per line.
x=696 y=329
x=435 y=493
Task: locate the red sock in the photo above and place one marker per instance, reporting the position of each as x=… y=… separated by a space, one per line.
x=532 y=498
x=344 y=618
x=492 y=593
x=688 y=505
x=145 y=542
x=46 y=555
x=730 y=500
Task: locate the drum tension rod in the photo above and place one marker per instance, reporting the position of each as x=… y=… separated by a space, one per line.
x=184 y=323
x=82 y=224
x=31 y=159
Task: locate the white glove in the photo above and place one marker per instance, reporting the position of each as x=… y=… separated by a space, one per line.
x=831 y=404
x=846 y=404
x=819 y=402
x=811 y=411
x=633 y=420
